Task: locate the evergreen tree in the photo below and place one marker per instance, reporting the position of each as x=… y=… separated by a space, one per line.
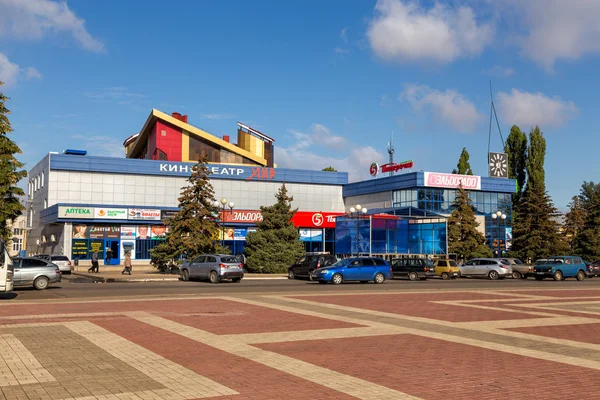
x=192 y=230
x=535 y=227
x=516 y=149
x=275 y=245
x=10 y=175
x=587 y=240
x=463 y=167
x=330 y=169
x=574 y=222
x=463 y=237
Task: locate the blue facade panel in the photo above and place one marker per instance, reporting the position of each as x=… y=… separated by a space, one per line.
x=218 y=171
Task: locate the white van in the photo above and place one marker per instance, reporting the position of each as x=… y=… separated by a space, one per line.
x=6 y=269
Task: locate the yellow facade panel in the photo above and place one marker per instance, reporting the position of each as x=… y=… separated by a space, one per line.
x=185 y=146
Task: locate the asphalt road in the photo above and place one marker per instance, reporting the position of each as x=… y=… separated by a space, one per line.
x=73 y=287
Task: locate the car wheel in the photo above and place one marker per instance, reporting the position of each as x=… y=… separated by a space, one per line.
x=185 y=275
x=236 y=280
x=379 y=278
x=558 y=276
x=413 y=276
x=291 y=274
x=517 y=275
x=41 y=283
x=337 y=279
x=445 y=276
x=493 y=275
x=214 y=277
x=539 y=278
x=580 y=276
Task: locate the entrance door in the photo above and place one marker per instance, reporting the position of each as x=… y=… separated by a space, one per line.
x=115 y=253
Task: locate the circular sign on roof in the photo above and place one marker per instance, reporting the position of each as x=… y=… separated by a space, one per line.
x=317 y=219
x=374 y=169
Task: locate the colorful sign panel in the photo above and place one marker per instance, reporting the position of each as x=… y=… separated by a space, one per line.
x=143 y=232
x=237 y=172
x=158 y=231
x=141 y=214
x=110 y=213
x=97 y=232
x=311 y=235
x=308 y=219
x=79 y=248
x=76 y=212
x=80 y=231
x=242 y=216
x=165 y=214
x=374 y=168
x=452 y=181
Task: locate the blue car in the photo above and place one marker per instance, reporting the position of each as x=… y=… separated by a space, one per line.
x=361 y=269
x=561 y=267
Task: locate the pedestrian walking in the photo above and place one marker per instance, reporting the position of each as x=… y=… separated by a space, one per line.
x=127 y=264
x=94 y=267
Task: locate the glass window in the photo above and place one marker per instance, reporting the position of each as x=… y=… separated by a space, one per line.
x=442 y=263
x=210 y=259
x=17 y=244
x=367 y=262
x=379 y=262
x=42 y=183
x=32 y=263
x=199 y=259
x=229 y=259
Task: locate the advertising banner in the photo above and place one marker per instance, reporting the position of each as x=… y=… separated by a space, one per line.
x=79 y=248
x=76 y=212
x=128 y=231
x=80 y=231
x=452 y=181
x=141 y=214
x=311 y=235
x=239 y=234
x=164 y=214
x=508 y=237
x=307 y=219
x=110 y=213
x=143 y=232
x=113 y=231
x=97 y=231
x=242 y=216
x=159 y=231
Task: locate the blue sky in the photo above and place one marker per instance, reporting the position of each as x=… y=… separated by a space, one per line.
x=329 y=81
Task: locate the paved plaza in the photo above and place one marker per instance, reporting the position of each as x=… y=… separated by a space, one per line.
x=438 y=344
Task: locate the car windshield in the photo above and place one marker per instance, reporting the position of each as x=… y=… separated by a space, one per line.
x=555 y=261
x=517 y=261
x=230 y=260
x=452 y=263
x=60 y=258
x=341 y=263
x=429 y=263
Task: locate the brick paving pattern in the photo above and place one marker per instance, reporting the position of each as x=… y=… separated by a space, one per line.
x=496 y=344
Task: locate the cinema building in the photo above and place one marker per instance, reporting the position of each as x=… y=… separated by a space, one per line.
x=78 y=204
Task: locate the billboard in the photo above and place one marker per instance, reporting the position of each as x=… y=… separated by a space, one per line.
x=452 y=181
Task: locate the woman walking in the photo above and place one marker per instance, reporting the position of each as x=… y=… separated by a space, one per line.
x=127 y=264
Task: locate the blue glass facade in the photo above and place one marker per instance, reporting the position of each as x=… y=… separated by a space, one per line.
x=381 y=235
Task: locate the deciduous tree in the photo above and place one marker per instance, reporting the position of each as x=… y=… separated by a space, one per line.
x=10 y=174
x=516 y=149
x=330 y=169
x=275 y=245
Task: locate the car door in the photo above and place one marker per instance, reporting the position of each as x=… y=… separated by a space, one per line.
x=304 y=267
x=440 y=267
x=210 y=264
x=353 y=270
x=468 y=268
x=368 y=268
x=481 y=267
x=30 y=267
x=396 y=267
x=17 y=271
x=196 y=266
x=403 y=267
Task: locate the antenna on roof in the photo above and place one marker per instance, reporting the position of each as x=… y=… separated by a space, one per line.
x=390 y=151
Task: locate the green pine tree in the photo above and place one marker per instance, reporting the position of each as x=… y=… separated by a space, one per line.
x=10 y=175
x=463 y=167
x=463 y=237
x=516 y=149
x=587 y=240
x=574 y=222
x=193 y=230
x=275 y=245
x=330 y=169
x=535 y=228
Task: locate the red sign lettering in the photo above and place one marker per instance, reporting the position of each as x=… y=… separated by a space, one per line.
x=308 y=219
x=265 y=174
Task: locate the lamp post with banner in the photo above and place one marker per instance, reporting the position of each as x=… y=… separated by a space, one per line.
x=500 y=216
x=357 y=212
x=222 y=205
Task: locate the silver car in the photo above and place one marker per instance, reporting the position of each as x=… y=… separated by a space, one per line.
x=486 y=267
x=214 y=267
x=34 y=271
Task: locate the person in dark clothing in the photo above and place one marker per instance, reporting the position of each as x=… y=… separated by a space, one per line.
x=94 y=267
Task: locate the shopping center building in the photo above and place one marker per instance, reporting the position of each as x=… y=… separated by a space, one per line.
x=78 y=203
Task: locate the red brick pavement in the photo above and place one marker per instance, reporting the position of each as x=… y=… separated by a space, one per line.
x=422 y=305
x=252 y=380
x=586 y=333
x=434 y=369
x=561 y=293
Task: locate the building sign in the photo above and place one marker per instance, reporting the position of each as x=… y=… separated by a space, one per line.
x=76 y=212
x=113 y=231
x=265 y=174
x=128 y=231
x=143 y=214
x=243 y=172
x=308 y=219
x=242 y=216
x=97 y=231
x=374 y=168
x=110 y=213
x=79 y=248
x=452 y=181
x=165 y=214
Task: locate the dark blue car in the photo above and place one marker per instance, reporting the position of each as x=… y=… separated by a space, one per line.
x=361 y=269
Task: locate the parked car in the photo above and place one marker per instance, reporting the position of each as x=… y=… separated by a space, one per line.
x=486 y=267
x=34 y=271
x=520 y=269
x=561 y=267
x=413 y=268
x=63 y=262
x=541 y=261
x=363 y=269
x=594 y=269
x=446 y=269
x=214 y=267
x=308 y=263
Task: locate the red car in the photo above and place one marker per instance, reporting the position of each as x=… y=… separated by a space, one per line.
x=594 y=269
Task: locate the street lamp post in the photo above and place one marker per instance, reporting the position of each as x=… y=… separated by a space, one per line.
x=222 y=204
x=499 y=215
x=356 y=212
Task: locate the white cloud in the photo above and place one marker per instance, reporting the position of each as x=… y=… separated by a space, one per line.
x=10 y=72
x=32 y=73
x=33 y=19
x=499 y=71
x=449 y=107
x=339 y=50
x=318 y=135
x=529 y=109
x=99 y=145
x=217 y=116
x=120 y=95
x=343 y=34
x=557 y=29
x=404 y=31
